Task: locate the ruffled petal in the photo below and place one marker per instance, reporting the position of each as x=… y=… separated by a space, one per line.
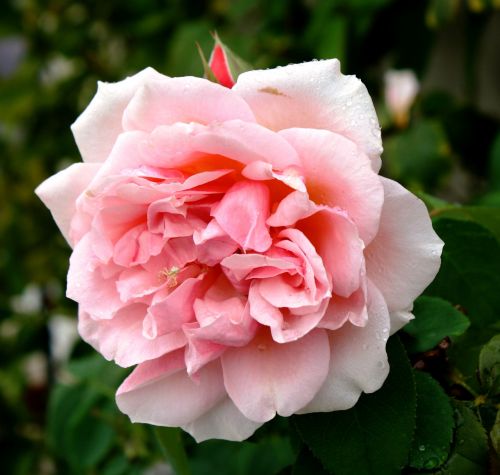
x=241 y=142
x=169 y=312
x=121 y=339
x=242 y=214
x=337 y=241
x=226 y=322
x=96 y=294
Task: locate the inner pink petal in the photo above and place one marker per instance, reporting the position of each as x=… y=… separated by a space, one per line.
x=242 y=214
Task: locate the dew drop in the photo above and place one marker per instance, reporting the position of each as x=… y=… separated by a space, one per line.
x=421 y=448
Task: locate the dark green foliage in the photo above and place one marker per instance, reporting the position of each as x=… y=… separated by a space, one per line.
x=435 y=319
x=434 y=427
x=361 y=440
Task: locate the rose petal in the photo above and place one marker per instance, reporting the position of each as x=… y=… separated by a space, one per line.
x=199 y=352
x=404 y=257
x=168 y=313
x=314 y=95
x=241 y=265
x=259 y=170
x=213 y=244
x=182 y=400
x=337 y=174
x=121 y=338
x=99 y=125
x=265 y=378
x=341 y=310
x=358 y=360
x=183 y=99
x=225 y=322
x=242 y=214
x=60 y=191
x=223 y=421
x=336 y=239
x=243 y=142
x=96 y=295
x=292 y=208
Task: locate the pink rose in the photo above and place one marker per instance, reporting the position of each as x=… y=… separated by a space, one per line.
x=238 y=245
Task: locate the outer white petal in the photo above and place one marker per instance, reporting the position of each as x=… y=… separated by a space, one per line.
x=399 y=319
x=358 y=360
x=99 y=125
x=60 y=191
x=314 y=95
x=405 y=255
x=224 y=421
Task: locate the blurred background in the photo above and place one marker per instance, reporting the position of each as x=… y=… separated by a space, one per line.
x=431 y=66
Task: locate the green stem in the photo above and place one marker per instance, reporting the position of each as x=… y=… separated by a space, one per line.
x=170 y=442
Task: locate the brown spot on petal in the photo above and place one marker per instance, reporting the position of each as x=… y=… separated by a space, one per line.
x=272 y=90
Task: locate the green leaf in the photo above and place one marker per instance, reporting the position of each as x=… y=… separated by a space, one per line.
x=434 y=431
x=435 y=319
x=470 y=449
x=266 y=457
x=118 y=465
x=494 y=174
x=362 y=440
x=488 y=217
x=469 y=274
x=170 y=441
x=489 y=365
x=464 y=353
x=332 y=41
x=207 y=70
x=495 y=434
x=307 y=464
x=75 y=430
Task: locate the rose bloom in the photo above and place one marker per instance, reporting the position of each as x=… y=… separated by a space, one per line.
x=400 y=90
x=238 y=245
